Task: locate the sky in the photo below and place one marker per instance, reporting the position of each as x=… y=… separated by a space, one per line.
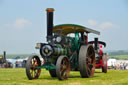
x=23 y=22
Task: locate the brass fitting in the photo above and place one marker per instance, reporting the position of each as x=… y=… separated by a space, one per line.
x=49 y=9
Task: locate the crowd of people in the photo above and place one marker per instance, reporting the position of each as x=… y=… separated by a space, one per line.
x=20 y=64
x=120 y=66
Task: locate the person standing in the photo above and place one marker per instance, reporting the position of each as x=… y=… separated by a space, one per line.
x=124 y=65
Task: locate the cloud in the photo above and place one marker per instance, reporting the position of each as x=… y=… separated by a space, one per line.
x=19 y=23
x=92 y=22
x=100 y=26
x=106 y=25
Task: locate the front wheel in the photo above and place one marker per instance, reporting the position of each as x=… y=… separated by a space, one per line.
x=87 y=61
x=31 y=71
x=62 y=68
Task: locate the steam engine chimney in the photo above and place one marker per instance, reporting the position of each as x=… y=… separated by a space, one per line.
x=49 y=23
x=4 y=55
x=96 y=43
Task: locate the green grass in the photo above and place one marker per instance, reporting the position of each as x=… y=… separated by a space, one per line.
x=18 y=77
x=120 y=57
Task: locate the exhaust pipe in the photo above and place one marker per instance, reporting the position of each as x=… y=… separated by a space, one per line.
x=49 y=23
x=4 y=56
x=96 y=43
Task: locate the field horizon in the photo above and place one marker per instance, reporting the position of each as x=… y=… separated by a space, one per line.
x=23 y=56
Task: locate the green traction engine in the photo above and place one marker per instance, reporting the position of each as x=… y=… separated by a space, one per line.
x=66 y=49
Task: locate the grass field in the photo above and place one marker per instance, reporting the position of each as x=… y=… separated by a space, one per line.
x=120 y=57
x=18 y=77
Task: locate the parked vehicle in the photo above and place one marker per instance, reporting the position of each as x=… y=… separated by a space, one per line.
x=101 y=57
x=63 y=53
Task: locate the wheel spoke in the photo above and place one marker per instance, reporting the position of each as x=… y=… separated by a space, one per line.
x=62 y=69
x=90 y=61
x=32 y=73
x=63 y=72
x=35 y=71
x=89 y=71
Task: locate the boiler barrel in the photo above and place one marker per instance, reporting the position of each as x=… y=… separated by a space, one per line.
x=59 y=50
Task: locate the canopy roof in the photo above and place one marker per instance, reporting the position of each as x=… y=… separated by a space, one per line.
x=72 y=28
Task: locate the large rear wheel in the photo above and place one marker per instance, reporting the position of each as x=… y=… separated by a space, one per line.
x=104 y=67
x=87 y=61
x=31 y=71
x=62 y=68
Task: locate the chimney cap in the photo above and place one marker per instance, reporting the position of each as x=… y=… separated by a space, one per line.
x=49 y=9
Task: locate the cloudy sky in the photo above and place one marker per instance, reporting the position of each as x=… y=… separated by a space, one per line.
x=23 y=22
